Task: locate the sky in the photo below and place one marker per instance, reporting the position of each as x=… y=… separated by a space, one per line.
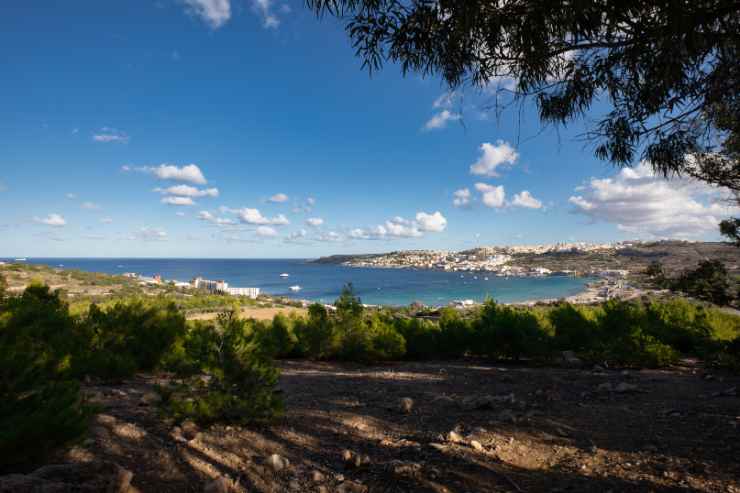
x=248 y=129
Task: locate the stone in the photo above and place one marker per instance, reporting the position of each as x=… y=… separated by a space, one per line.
x=150 y=398
x=189 y=429
x=351 y=487
x=294 y=486
x=408 y=469
x=61 y=478
x=176 y=434
x=455 y=437
x=624 y=388
x=406 y=405
x=277 y=462
x=604 y=387
x=476 y=445
x=570 y=359
x=317 y=477
x=218 y=485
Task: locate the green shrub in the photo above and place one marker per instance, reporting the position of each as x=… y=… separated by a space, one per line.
x=574 y=330
x=456 y=334
x=317 y=336
x=127 y=337
x=40 y=407
x=505 y=331
x=240 y=378
x=422 y=337
x=680 y=324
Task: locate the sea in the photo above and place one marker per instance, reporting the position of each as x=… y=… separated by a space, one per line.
x=324 y=282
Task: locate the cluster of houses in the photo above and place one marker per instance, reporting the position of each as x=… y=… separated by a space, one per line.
x=215 y=287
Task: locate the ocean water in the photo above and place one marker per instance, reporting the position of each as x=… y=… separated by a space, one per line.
x=322 y=282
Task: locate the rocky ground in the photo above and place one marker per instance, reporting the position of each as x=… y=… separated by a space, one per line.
x=436 y=427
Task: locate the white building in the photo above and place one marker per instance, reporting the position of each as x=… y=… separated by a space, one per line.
x=249 y=292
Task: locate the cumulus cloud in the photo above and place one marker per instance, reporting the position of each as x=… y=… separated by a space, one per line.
x=177 y=201
x=215 y=13
x=314 y=221
x=296 y=237
x=525 y=199
x=492 y=156
x=278 y=198
x=188 y=191
x=254 y=216
x=330 y=237
x=266 y=231
x=398 y=227
x=92 y=206
x=441 y=119
x=492 y=196
x=639 y=202
x=53 y=219
x=435 y=222
x=461 y=198
x=149 y=234
x=221 y=221
x=190 y=173
x=111 y=135
x=269 y=19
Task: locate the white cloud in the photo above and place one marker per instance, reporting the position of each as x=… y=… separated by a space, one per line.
x=266 y=232
x=188 y=191
x=314 y=221
x=441 y=119
x=330 y=237
x=221 y=221
x=493 y=156
x=125 y=168
x=525 y=199
x=461 y=197
x=55 y=220
x=434 y=223
x=492 y=196
x=215 y=13
x=180 y=214
x=296 y=237
x=71 y=196
x=639 y=202
x=190 y=173
x=269 y=19
x=446 y=100
x=278 y=198
x=311 y=201
x=254 y=216
x=177 y=201
x=398 y=227
x=149 y=234
x=92 y=206
x=106 y=220
x=108 y=135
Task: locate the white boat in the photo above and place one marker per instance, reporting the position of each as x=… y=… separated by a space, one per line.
x=22 y=259
x=295 y=288
x=284 y=275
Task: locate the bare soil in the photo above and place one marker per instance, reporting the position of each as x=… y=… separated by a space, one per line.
x=516 y=429
x=257 y=313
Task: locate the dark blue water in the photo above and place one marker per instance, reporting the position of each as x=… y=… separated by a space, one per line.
x=321 y=282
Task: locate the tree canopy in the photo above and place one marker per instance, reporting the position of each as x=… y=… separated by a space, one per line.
x=668 y=68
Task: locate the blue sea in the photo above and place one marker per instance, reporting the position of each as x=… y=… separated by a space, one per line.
x=323 y=282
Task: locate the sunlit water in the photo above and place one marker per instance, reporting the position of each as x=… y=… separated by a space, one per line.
x=322 y=282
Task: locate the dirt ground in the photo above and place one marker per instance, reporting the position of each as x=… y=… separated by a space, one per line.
x=255 y=312
x=515 y=429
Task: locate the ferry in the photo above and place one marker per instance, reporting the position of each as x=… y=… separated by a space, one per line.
x=295 y=288
x=284 y=275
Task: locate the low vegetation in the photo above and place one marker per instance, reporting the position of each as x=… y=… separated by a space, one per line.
x=223 y=369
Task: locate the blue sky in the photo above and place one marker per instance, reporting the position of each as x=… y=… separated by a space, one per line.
x=117 y=115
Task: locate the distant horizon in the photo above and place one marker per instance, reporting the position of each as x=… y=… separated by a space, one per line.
x=14 y=257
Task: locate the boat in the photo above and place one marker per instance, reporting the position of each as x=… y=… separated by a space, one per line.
x=485 y=278
x=22 y=259
x=284 y=275
x=295 y=288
